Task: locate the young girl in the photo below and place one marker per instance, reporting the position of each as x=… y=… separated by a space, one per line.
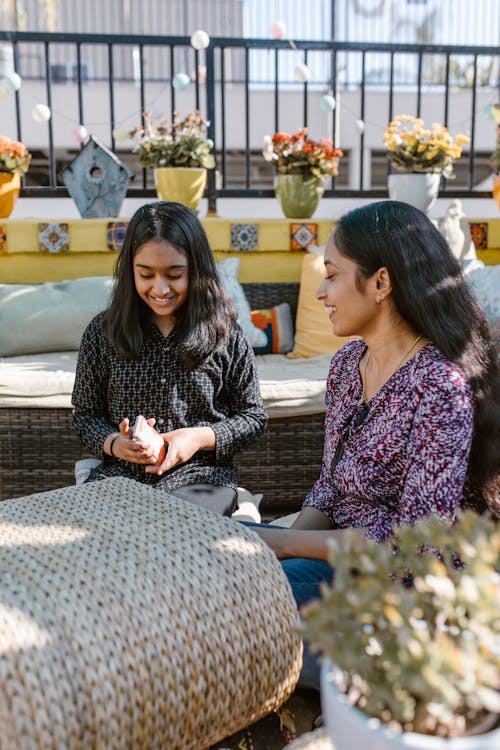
x=168 y=348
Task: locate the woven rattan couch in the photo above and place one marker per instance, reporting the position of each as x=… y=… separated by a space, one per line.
x=38 y=447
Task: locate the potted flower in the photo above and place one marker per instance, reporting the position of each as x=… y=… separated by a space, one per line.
x=180 y=154
x=302 y=165
x=420 y=156
x=14 y=162
x=411 y=629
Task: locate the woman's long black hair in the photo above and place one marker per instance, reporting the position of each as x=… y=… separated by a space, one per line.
x=430 y=293
x=207 y=318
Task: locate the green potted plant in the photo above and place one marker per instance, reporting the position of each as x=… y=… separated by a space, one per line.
x=14 y=162
x=301 y=165
x=420 y=156
x=411 y=633
x=180 y=154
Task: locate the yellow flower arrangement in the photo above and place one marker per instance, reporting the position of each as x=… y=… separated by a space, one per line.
x=413 y=148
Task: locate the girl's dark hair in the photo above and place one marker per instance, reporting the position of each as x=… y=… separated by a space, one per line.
x=430 y=293
x=205 y=321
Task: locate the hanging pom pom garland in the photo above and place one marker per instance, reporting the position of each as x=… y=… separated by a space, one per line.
x=120 y=133
x=41 y=113
x=200 y=39
x=327 y=103
x=278 y=30
x=180 y=81
x=79 y=134
x=11 y=81
x=302 y=74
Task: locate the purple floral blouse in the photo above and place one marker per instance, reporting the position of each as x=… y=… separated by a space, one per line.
x=408 y=457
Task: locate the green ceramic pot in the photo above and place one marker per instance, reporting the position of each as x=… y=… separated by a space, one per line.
x=298 y=194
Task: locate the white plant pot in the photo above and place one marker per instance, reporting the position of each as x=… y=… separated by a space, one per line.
x=351 y=729
x=418 y=189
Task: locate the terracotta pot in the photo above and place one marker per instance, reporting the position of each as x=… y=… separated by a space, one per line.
x=182 y=184
x=10 y=185
x=418 y=189
x=298 y=194
x=348 y=727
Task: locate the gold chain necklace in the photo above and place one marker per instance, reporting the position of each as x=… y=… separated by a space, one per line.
x=363 y=379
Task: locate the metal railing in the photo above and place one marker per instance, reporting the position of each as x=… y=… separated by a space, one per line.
x=419 y=79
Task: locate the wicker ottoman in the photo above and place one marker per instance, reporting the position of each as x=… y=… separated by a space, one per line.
x=130 y=619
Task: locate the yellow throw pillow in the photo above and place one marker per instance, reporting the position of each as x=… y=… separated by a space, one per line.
x=313 y=330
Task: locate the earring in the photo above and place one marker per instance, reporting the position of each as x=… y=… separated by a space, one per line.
x=378 y=299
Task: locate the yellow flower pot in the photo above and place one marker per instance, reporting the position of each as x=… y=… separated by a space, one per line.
x=496 y=189
x=10 y=185
x=182 y=184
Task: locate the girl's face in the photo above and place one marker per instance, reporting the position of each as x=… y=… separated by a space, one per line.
x=161 y=275
x=351 y=311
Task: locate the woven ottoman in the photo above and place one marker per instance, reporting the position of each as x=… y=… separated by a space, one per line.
x=131 y=619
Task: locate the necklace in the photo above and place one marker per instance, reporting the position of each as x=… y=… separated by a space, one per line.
x=363 y=379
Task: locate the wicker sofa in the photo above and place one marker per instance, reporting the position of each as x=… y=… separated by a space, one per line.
x=38 y=447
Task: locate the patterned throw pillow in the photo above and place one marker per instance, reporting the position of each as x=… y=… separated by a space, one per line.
x=277 y=324
x=228 y=272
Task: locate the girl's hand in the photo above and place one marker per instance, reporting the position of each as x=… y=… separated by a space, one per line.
x=182 y=445
x=135 y=451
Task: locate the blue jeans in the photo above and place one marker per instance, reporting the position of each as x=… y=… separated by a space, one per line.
x=305 y=577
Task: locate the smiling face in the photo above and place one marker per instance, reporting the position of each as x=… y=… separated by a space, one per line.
x=351 y=311
x=161 y=276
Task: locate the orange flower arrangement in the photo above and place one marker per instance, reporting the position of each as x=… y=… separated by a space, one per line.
x=14 y=156
x=299 y=154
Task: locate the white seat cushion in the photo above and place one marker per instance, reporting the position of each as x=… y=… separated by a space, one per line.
x=289 y=386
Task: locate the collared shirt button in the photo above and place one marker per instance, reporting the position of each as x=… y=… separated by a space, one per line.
x=161 y=420
x=163 y=381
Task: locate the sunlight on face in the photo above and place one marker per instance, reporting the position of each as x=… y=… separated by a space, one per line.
x=349 y=309
x=161 y=276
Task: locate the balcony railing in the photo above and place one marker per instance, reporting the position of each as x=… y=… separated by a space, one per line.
x=109 y=80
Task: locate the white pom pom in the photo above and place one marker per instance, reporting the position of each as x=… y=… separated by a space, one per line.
x=41 y=113
x=200 y=39
x=302 y=74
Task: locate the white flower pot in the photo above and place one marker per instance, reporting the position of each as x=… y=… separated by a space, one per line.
x=418 y=189
x=351 y=729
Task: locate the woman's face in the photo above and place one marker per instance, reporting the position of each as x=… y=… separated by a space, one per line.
x=161 y=275
x=351 y=311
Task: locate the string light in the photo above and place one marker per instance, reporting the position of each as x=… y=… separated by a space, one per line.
x=200 y=39
x=181 y=81
x=41 y=113
x=278 y=29
x=327 y=103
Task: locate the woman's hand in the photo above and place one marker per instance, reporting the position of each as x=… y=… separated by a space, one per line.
x=310 y=543
x=129 y=449
x=182 y=445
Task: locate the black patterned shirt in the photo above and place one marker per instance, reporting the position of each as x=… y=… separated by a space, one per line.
x=223 y=394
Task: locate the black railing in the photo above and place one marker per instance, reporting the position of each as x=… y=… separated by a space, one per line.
x=416 y=79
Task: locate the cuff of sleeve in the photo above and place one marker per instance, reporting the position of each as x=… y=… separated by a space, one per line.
x=223 y=442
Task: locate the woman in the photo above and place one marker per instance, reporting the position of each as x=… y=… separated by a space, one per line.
x=168 y=348
x=412 y=408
